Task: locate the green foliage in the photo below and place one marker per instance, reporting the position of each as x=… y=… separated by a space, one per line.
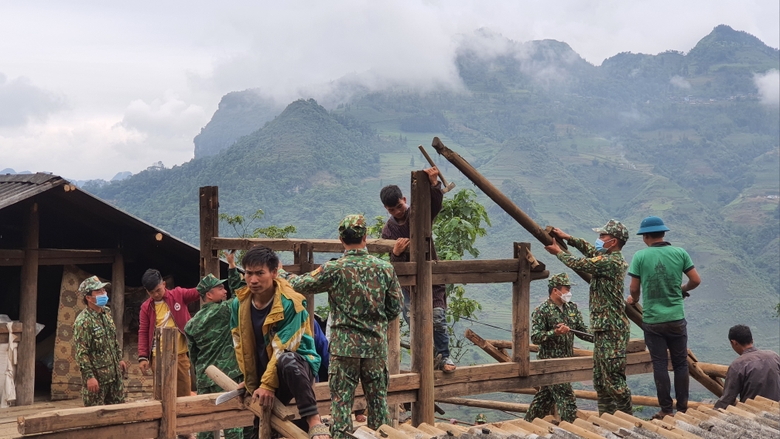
x=456 y=230
x=241 y=226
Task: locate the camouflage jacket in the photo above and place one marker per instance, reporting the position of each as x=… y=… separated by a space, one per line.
x=607 y=306
x=210 y=342
x=364 y=295
x=97 y=348
x=544 y=319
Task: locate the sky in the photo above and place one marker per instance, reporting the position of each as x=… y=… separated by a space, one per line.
x=92 y=88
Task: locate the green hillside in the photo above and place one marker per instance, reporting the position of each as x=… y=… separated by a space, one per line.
x=681 y=136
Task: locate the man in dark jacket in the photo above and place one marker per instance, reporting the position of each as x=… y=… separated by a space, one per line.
x=754 y=373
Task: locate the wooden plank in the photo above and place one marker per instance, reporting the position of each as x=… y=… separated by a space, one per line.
x=394 y=359
x=167 y=360
x=487 y=347
x=521 y=302
x=421 y=322
x=209 y=229
x=214 y=421
x=118 y=296
x=81 y=417
x=25 y=368
x=52 y=256
x=147 y=429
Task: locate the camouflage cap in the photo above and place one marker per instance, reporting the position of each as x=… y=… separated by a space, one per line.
x=91 y=284
x=559 y=280
x=355 y=222
x=207 y=283
x=480 y=419
x=614 y=228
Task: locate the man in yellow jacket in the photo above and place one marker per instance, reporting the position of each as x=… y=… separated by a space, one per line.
x=273 y=339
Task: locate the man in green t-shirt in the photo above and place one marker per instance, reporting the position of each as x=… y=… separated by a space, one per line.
x=657 y=272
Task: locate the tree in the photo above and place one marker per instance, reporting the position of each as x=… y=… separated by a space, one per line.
x=455 y=230
x=241 y=226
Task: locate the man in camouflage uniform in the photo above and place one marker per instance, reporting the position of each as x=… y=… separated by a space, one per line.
x=210 y=342
x=552 y=321
x=97 y=348
x=364 y=295
x=608 y=320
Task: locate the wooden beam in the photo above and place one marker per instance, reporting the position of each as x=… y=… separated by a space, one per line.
x=25 y=369
x=487 y=347
x=421 y=323
x=81 y=417
x=521 y=300
x=394 y=359
x=54 y=256
x=118 y=296
x=494 y=405
x=167 y=360
x=16 y=328
x=634 y=345
x=209 y=229
x=496 y=195
x=289 y=244
x=306 y=260
x=146 y=429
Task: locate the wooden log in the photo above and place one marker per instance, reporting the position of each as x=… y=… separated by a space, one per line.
x=289 y=244
x=714 y=370
x=167 y=359
x=651 y=401
x=394 y=359
x=494 y=405
x=496 y=195
x=487 y=347
x=209 y=229
x=226 y=383
x=521 y=299
x=98 y=416
x=422 y=298
x=118 y=297
x=25 y=368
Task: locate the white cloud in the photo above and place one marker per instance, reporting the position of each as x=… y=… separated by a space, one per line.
x=21 y=102
x=680 y=82
x=168 y=116
x=768 y=85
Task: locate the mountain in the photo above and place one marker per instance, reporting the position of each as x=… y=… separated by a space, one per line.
x=681 y=136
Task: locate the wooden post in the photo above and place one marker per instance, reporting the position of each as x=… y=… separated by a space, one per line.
x=521 y=302
x=167 y=361
x=118 y=296
x=305 y=256
x=209 y=228
x=394 y=359
x=25 y=371
x=156 y=366
x=422 y=298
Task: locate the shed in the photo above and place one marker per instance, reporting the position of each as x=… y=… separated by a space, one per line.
x=52 y=236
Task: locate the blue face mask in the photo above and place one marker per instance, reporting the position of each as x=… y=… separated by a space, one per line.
x=599 y=244
x=102 y=300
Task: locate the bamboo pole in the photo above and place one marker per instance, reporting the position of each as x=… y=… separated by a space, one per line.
x=422 y=298
x=28 y=303
x=521 y=317
x=494 y=405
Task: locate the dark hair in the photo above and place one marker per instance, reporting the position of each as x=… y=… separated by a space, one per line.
x=260 y=256
x=621 y=243
x=655 y=235
x=741 y=334
x=151 y=279
x=84 y=297
x=550 y=290
x=390 y=195
x=350 y=236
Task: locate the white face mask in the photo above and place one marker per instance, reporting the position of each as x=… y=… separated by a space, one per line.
x=566 y=297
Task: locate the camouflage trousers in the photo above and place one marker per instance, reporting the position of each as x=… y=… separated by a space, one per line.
x=231 y=433
x=343 y=378
x=560 y=396
x=108 y=393
x=609 y=371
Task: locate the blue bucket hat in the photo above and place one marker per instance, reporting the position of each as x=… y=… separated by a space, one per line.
x=652 y=224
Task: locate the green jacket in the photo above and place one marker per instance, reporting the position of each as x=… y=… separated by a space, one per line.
x=364 y=295
x=210 y=342
x=544 y=319
x=607 y=306
x=286 y=328
x=97 y=348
